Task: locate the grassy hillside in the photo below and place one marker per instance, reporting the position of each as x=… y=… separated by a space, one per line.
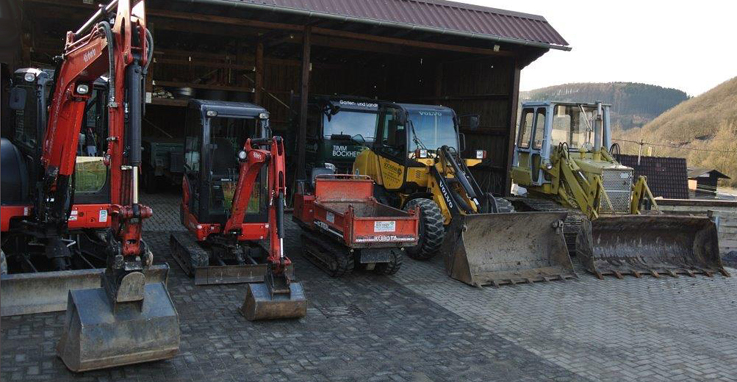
x=703 y=130
x=633 y=104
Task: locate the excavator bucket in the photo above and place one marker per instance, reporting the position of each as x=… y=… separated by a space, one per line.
x=651 y=245
x=42 y=292
x=99 y=333
x=508 y=248
x=275 y=299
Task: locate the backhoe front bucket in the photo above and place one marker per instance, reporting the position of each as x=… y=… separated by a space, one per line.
x=100 y=334
x=508 y=248
x=649 y=244
x=275 y=299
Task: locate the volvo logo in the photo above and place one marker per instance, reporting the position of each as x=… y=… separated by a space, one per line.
x=446 y=195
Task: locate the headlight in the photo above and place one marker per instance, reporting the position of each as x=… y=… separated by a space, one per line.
x=263 y=116
x=29 y=77
x=83 y=89
x=421 y=153
x=330 y=166
x=480 y=154
x=212 y=113
x=548 y=166
x=242 y=155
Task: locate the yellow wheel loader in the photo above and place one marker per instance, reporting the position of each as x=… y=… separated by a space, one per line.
x=562 y=161
x=416 y=165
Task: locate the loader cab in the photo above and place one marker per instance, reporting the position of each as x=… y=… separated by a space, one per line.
x=546 y=126
x=215 y=134
x=333 y=125
x=408 y=138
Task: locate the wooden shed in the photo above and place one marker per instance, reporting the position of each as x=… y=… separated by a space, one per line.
x=277 y=52
x=703 y=181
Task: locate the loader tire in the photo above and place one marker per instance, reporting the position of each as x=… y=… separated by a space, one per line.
x=431 y=229
x=391 y=267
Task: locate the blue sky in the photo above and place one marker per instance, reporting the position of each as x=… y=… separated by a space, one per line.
x=688 y=45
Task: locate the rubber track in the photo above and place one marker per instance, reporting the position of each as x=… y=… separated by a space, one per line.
x=183 y=247
x=434 y=230
x=503 y=205
x=333 y=258
x=391 y=267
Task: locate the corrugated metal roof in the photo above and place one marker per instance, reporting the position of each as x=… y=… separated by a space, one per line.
x=437 y=16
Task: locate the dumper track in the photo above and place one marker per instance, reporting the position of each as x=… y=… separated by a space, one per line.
x=334 y=259
x=572 y=224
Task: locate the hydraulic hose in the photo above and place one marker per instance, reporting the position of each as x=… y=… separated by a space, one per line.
x=111 y=60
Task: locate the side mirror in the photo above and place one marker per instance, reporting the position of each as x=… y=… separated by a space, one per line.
x=358 y=138
x=401 y=118
x=474 y=120
x=17 y=98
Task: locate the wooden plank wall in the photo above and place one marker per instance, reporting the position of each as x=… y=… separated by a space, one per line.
x=477 y=85
x=725 y=214
x=483 y=87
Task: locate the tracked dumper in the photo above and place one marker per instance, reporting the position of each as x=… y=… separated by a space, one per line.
x=345 y=227
x=233 y=208
x=561 y=159
x=416 y=164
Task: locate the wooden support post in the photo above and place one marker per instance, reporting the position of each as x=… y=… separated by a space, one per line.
x=259 y=81
x=438 y=82
x=513 y=100
x=304 y=94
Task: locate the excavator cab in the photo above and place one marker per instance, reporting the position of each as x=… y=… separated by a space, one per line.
x=212 y=142
x=564 y=156
x=233 y=207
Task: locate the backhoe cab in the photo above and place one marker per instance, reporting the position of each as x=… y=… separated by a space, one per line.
x=416 y=163
x=562 y=156
x=337 y=129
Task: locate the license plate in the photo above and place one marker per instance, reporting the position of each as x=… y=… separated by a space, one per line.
x=385 y=226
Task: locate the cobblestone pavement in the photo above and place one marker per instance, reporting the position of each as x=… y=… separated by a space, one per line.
x=419 y=325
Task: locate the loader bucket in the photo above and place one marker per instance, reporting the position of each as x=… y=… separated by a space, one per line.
x=509 y=248
x=274 y=299
x=99 y=334
x=649 y=244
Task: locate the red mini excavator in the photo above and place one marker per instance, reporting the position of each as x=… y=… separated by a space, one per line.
x=233 y=201
x=128 y=320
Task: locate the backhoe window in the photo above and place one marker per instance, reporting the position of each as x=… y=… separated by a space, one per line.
x=526 y=129
x=351 y=123
x=573 y=125
x=434 y=129
x=537 y=142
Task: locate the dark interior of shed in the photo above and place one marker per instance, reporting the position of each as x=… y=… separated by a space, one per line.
x=237 y=55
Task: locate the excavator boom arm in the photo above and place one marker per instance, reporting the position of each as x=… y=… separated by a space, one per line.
x=121 y=50
x=273 y=158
